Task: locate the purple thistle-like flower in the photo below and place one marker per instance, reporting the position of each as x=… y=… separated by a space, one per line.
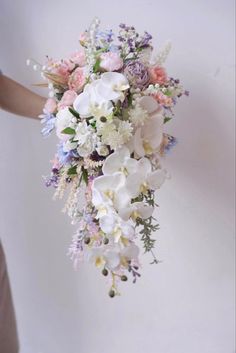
x=137 y=74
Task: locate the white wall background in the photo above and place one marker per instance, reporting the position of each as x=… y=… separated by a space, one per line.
x=185 y=304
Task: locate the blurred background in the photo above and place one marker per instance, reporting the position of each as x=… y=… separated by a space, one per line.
x=186 y=303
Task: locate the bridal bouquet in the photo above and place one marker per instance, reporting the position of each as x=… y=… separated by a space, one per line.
x=109 y=103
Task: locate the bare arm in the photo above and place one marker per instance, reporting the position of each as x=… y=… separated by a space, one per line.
x=19 y=100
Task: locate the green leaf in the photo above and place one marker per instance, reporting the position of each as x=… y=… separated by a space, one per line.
x=96 y=66
x=85 y=175
x=168 y=93
x=167 y=118
x=68 y=131
x=74 y=112
x=72 y=170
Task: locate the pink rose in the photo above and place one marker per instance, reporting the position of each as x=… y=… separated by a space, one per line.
x=77 y=80
x=67 y=99
x=157 y=75
x=50 y=105
x=78 y=58
x=111 y=61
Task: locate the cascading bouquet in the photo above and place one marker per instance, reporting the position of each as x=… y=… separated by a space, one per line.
x=109 y=103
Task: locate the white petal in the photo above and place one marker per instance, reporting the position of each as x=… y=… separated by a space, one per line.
x=107 y=93
x=138 y=143
x=112 y=259
x=122 y=198
x=149 y=104
x=133 y=184
x=143 y=209
x=156 y=179
x=153 y=130
x=131 y=165
x=144 y=166
x=107 y=223
x=131 y=252
x=82 y=104
x=109 y=182
x=115 y=161
x=116 y=80
x=127 y=230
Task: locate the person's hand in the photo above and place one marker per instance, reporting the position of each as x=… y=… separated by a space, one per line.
x=19 y=100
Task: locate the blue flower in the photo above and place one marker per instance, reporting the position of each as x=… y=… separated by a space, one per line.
x=172 y=141
x=48 y=120
x=66 y=157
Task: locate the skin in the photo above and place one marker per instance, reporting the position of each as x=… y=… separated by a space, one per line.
x=19 y=100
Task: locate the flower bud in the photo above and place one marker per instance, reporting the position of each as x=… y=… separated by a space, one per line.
x=112 y=293
x=87 y=240
x=104 y=272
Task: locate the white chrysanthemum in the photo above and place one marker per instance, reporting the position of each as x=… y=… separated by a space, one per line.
x=138 y=115
x=114 y=140
x=125 y=130
x=115 y=134
x=105 y=129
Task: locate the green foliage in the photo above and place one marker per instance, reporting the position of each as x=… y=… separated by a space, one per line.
x=72 y=170
x=68 y=131
x=85 y=175
x=147 y=229
x=167 y=118
x=168 y=93
x=96 y=66
x=74 y=112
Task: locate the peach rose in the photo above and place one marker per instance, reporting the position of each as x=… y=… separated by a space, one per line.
x=157 y=75
x=111 y=61
x=67 y=99
x=77 y=80
x=163 y=99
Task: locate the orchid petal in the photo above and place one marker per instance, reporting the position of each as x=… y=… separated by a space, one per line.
x=156 y=179
x=149 y=104
x=82 y=104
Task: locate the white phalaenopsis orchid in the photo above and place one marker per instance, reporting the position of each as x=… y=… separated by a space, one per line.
x=149 y=133
x=110 y=190
x=89 y=103
x=147 y=139
x=112 y=256
x=144 y=178
x=97 y=96
x=112 y=86
x=136 y=210
x=120 y=161
x=105 y=256
x=115 y=227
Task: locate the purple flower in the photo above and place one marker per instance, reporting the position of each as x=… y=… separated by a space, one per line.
x=104 y=37
x=137 y=74
x=145 y=40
